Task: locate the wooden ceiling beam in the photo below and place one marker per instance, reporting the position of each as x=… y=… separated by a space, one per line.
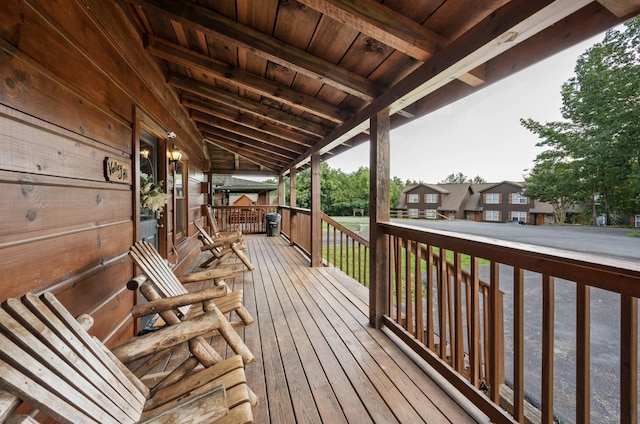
x=179 y=55
x=256 y=157
x=246 y=141
x=621 y=8
x=191 y=101
x=246 y=105
x=384 y=24
x=215 y=25
x=389 y=27
x=246 y=132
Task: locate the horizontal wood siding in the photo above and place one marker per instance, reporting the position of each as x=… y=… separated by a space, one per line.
x=70 y=80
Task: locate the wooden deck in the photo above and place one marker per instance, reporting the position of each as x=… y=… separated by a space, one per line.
x=317 y=359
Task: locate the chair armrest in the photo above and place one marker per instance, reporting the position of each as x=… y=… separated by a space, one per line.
x=167 y=337
x=161 y=305
x=8 y=403
x=206 y=407
x=210 y=274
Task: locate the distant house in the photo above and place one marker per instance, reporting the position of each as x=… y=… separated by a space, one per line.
x=435 y=201
x=228 y=190
x=243 y=200
x=489 y=202
x=502 y=202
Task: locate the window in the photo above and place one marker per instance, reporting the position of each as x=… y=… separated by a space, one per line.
x=431 y=213
x=180 y=215
x=492 y=216
x=431 y=198
x=518 y=199
x=413 y=198
x=492 y=198
x=413 y=213
x=519 y=216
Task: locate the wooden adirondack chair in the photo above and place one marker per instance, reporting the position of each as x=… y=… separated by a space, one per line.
x=222 y=247
x=213 y=223
x=49 y=361
x=167 y=285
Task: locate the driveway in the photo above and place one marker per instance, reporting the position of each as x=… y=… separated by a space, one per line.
x=605 y=241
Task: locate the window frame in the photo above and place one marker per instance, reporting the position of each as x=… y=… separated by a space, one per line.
x=492 y=212
x=413 y=198
x=180 y=195
x=433 y=196
x=490 y=197
x=522 y=199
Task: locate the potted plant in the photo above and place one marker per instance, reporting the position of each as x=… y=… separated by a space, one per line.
x=152 y=197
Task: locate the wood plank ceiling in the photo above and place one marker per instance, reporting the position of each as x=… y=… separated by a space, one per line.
x=269 y=82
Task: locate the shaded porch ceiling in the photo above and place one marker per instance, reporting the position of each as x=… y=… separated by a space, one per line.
x=270 y=82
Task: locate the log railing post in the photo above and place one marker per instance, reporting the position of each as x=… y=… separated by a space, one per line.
x=379 y=177
x=316 y=222
x=292 y=203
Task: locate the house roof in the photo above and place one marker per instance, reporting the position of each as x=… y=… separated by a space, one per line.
x=473 y=203
x=266 y=84
x=238 y=185
x=491 y=186
x=457 y=194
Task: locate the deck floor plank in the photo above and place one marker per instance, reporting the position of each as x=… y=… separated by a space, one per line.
x=317 y=358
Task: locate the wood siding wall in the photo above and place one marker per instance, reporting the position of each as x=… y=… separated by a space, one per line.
x=71 y=77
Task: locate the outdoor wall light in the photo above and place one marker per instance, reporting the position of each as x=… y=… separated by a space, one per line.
x=175 y=155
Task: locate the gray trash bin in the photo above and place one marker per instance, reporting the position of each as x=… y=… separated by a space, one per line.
x=273 y=224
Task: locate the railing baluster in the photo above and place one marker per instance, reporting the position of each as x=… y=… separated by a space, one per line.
x=458 y=347
x=430 y=329
x=628 y=359
x=547 y=348
x=450 y=313
x=474 y=327
x=518 y=344
x=408 y=304
x=442 y=302
x=494 y=344
x=485 y=334
x=419 y=331
x=583 y=353
x=398 y=252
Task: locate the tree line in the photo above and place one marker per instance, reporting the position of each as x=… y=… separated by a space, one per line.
x=341 y=192
x=592 y=158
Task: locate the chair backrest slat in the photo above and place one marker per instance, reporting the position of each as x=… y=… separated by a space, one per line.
x=206 y=238
x=158 y=271
x=50 y=362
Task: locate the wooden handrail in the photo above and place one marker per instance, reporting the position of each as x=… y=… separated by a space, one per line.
x=549 y=265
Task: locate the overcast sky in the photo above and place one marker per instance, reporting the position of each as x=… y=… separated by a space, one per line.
x=480 y=134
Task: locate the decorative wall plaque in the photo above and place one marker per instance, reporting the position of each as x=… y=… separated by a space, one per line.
x=117 y=171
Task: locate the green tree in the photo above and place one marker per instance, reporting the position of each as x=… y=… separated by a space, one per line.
x=341 y=193
x=461 y=178
x=601 y=137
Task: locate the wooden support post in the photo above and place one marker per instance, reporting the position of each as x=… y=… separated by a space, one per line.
x=380 y=175
x=316 y=222
x=292 y=202
x=280 y=190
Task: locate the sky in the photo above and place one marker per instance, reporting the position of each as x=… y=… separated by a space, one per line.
x=480 y=135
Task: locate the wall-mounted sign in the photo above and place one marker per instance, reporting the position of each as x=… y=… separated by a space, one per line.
x=117 y=171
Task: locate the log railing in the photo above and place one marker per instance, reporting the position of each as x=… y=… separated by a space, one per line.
x=547 y=305
x=345 y=250
x=249 y=219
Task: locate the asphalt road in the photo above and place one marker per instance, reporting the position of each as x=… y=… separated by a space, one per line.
x=605 y=306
